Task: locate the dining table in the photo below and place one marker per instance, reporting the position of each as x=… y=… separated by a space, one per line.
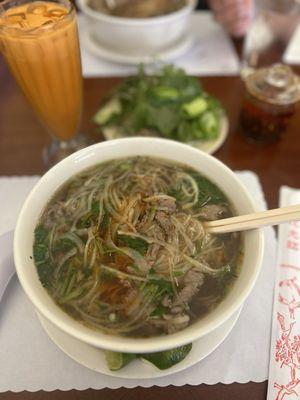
x=22 y=139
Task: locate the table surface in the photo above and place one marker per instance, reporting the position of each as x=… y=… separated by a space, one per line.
x=21 y=143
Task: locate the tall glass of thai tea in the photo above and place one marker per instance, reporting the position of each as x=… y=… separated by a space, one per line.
x=39 y=42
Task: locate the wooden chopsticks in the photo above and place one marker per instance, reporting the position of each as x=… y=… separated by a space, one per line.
x=255 y=220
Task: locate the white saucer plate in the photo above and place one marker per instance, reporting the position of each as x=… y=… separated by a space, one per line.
x=94 y=358
x=174 y=51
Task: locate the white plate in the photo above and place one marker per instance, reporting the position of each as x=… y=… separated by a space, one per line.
x=208 y=146
x=94 y=359
x=174 y=51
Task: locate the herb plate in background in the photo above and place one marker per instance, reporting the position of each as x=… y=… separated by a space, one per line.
x=208 y=146
x=170 y=104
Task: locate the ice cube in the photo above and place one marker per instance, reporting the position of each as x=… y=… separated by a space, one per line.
x=15 y=18
x=56 y=13
x=47 y=24
x=37 y=8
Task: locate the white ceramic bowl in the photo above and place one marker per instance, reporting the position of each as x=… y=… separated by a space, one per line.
x=137 y=37
x=60 y=173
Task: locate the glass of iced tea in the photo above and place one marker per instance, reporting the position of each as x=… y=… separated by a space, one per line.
x=39 y=42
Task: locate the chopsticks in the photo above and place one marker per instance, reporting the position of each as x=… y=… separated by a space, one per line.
x=254 y=220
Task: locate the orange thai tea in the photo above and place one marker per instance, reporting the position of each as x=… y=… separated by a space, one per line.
x=39 y=41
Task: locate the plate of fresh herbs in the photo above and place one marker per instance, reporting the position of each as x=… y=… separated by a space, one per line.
x=169 y=104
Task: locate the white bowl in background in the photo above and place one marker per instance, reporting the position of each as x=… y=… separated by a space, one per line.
x=120 y=148
x=137 y=37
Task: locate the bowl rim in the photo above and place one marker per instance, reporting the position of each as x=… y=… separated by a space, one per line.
x=119 y=343
x=143 y=22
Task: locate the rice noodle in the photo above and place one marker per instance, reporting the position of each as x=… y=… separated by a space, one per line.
x=74 y=238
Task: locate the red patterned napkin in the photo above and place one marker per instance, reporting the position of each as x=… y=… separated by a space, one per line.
x=284 y=370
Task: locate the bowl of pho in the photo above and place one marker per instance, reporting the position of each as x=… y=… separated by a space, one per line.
x=110 y=245
x=138 y=28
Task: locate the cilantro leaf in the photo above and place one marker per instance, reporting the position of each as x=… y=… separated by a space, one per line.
x=134 y=243
x=40 y=234
x=45 y=273
x=208 y=191
x=40 y=252
x=63 y=245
